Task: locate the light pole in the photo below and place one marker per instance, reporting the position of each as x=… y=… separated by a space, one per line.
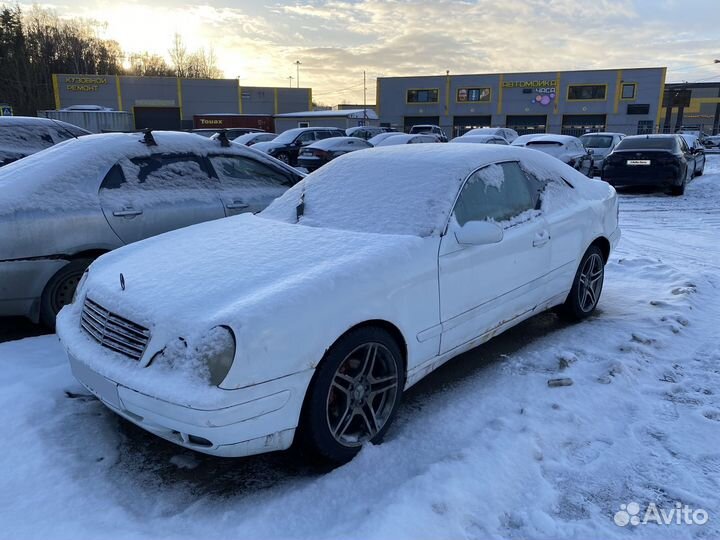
x=297 y=74
x=290 y=78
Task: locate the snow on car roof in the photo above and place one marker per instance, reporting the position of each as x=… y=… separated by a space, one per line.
x=406 y=190
x=333 y=141
x=562 y=139
x=61 y=170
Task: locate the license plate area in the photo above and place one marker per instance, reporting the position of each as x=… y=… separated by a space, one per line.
x=634 y=162
x=102 y=388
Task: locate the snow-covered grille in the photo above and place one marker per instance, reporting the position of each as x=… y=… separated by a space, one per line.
x=114 y=332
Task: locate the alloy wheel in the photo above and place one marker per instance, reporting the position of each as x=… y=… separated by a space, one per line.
x=591 y=279
x=362 y=394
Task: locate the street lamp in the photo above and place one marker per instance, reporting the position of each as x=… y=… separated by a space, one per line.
x=297 y=74
x=290 y=78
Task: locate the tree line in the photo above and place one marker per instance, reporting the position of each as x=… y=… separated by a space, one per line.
x=36 y=43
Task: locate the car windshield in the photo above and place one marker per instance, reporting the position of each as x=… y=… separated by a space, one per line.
x=646 y=143
x=385 y=191
x=597 y=141
x=288 y=136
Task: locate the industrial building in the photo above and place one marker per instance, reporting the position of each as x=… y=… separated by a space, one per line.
x=568 y=102
x=691 y=106
x=170 y=102
x=342 y=119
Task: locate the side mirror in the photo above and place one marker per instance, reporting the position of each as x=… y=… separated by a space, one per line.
x=590 y=151
x=479 y=233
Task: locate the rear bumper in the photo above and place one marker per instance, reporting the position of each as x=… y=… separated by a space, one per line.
x=253 y=420
x=22 y=284
x=310 y=163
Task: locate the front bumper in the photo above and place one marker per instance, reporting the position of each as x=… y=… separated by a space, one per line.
x=22 y=283
x=254 y=420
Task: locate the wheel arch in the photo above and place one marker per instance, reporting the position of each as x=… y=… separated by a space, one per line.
x=604 y=245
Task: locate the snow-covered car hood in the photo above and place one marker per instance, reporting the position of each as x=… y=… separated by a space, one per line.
x=212 y=271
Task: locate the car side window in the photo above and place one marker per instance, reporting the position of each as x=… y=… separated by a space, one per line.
x=246 y=172
x=498 y=192
x=114 y=179
x=166 y=171
x=306 y=138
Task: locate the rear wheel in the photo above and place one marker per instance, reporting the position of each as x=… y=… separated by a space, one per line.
x=284 y=157
x=587 y=286
x=60 y=289
x=676 y=191
x=354 y=395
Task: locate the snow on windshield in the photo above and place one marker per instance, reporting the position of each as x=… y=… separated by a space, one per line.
x=384 y=190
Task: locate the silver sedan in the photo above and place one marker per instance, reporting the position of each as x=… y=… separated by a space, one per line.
x=63 y=207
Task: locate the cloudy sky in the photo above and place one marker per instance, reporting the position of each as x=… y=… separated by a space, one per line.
x=336 y=40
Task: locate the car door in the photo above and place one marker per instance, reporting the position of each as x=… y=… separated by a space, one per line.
x=689 y=158
x=699 y=157
x=247 y=185
x=485 y=286
x=149 y=195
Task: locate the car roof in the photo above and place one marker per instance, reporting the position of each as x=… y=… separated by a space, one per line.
x=480 y=136
x=29 y=120
x=563 y=139
x=330 y=141
x=602 y=133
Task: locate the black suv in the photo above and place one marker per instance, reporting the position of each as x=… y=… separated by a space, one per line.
x=287 y=145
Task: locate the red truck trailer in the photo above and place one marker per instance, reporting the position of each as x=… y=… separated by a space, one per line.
x=264 y=122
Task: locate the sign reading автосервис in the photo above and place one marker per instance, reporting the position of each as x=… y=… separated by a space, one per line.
x=530 y=84
x=84 y=83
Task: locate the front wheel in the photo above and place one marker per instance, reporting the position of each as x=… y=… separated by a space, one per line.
x=587 y=286
x=284 y=157
x=354 y=395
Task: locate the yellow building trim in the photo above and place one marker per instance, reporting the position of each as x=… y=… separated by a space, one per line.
x=557 y=93
x=119 y=93
x=56 y=91
x=660 y=102
x=276 y=101
x=239 y=99
x=180 y=97
x=501 y=81
x=618 y=83
x=310 y=107
x=567 y=93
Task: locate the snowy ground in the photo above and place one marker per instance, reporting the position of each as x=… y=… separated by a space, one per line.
x=483 y=448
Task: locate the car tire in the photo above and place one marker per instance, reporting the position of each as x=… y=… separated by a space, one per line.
x=676 y=191
x=60 y=289
x=353 y=396
x=587 y=286
x=284 y=157
x=701 y=171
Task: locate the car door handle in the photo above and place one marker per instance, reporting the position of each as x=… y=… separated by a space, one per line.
x=541 y=238
x=237 y=205
x=127 y=212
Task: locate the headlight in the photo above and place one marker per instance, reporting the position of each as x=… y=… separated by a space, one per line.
x=217 y=350
x=80 y=285
x=210 y=357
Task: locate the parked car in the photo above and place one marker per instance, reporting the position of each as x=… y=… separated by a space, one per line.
x=600 y=144
x=287 y=145
x=506 y=133
x=429 y=129
x=382 y=136
x=309 y=320
x=316 y=155
x=65 y=206
x=21 y=136
x=651 y=160
x=408 y=138
x=567 y=149
x=522 y=140
x=697 y=148
x=364 y=132
x=711 y=141
x=250 y=139
x=482 y=139
x=230 y=133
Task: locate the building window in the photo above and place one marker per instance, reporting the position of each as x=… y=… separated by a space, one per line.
x=424 y=95
x=638 y=108
x=587 y=92
x=645 y=127
x=473 y=95
x=628 y=91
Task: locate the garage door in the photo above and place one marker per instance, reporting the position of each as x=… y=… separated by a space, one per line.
x=410 y=121
x=166 y=118
x=577 y=124
x=529 y=123
x=463 y=124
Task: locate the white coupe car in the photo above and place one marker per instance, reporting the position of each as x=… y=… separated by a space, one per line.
x=308 y=320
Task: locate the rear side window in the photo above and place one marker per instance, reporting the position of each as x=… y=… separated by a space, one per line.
x=163 y=171
x=25 y=137
x=647 y=143
x=597 y=141
x=247 y=172
x=497 y=192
